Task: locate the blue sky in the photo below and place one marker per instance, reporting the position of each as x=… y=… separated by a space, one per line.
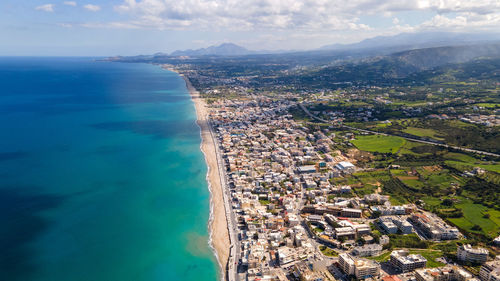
x=128 y=27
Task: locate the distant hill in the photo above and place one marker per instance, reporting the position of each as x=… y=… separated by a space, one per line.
x=407 y=41
x=226 y=49
x=411 y=65
x=428 y=58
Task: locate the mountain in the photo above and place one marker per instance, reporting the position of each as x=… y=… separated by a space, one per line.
x=406 y=67
x=428 y=58
x=226 y=49
x=407 y=41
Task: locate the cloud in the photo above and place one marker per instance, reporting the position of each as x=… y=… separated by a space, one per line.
x=92 y=8
x=462 y=21
x=70 y=3
x=332 y=15
x=233 y=14
x=65 y=25
x=45 y=8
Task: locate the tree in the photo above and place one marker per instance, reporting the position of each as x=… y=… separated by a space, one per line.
x=376 y=214
x=447 y=202
x=360 y=240
x=476 y=227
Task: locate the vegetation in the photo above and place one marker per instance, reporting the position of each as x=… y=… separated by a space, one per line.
x=431 y=256
x=407 y=241
x=328 y=251
x=377 y=143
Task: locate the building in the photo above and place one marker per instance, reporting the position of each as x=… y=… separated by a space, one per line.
x=407 y=262
x=496 y=241
x=287 y=255
x=345 y=233
x=346 y=167
x=388 y=226
x=350 y=213
x=434 y=227
x=368 y=250
x=376 y=198
x=403 y=225
x=306 y=169
x=490 y=271
x=474 y=255
x=434 y=274
x=384 y=240
x=391 y=278
x=447 y=273
x=303 y=272
x=360 y=268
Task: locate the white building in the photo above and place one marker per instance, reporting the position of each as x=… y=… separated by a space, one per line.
x=490 y=271
x=346 y=167
x=360 y=268
x=475 y=255
x=407 y=262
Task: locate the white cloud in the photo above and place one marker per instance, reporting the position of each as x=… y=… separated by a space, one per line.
x=45 y=8
x=234 y=14
x=92 y=8
x=333 y=15
x=462 y=21
x=70 y=3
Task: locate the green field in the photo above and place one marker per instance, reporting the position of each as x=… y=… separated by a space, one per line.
x=468 y=162
x=328 y=251
x=461 y=157
x=487 y=105
x=421 y=132
x=264 y=202
x=487 y=167
x=406 y=148
x=441 y=179
x=413 y=183
x=431 y=256
x=382 y=258
x=474 y=214
x=378 y=143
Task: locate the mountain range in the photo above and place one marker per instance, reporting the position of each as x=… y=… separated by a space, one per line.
x=376 y=45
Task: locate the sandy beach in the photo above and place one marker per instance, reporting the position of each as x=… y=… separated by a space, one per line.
x=218 y=225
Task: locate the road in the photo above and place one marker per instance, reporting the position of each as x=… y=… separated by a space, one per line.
x=407 y=138
x=231 y=273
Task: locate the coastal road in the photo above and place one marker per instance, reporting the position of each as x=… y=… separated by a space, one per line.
x=407 y=138
x=231 y=273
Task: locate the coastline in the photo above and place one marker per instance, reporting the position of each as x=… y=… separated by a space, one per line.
x=218 y=226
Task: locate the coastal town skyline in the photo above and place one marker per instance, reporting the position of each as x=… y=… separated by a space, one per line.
x=130 y=27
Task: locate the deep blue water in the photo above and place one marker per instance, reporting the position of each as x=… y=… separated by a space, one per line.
x=101 y=176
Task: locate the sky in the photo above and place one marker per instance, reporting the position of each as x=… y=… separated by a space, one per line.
x=131 y=27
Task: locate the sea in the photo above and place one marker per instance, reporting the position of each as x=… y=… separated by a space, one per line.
x=101 y=174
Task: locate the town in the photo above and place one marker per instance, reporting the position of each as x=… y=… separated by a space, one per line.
x=295 y=218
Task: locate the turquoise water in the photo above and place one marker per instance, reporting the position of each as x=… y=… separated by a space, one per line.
x=101 y=174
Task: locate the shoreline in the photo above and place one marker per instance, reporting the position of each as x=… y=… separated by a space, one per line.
x=217 y=224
